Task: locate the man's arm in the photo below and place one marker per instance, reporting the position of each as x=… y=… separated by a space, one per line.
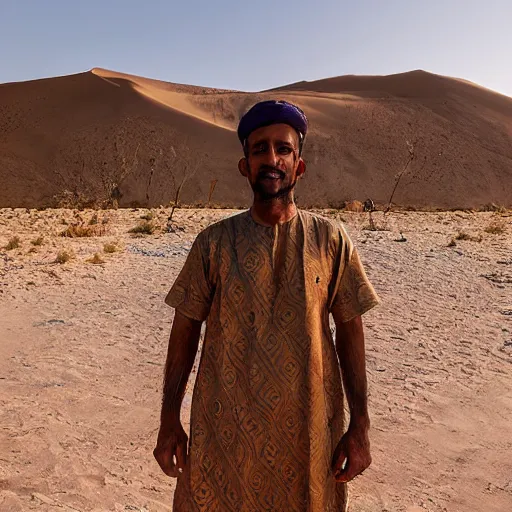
x=352 y=455
x=172 y=439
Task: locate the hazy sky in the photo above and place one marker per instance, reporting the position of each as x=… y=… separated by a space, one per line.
x=254 y=45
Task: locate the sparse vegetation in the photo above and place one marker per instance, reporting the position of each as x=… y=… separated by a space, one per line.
x=462 y=235
x=452 y=243
x=110 y=248
x=38 y=241
x=72 y=200
x=32 y=250
x=64 y=256
x=495 y=228
x=143 y=228
x=147 y=216
x=80 y=231
x=96 y=259
x=13 y=243
x=491 y=207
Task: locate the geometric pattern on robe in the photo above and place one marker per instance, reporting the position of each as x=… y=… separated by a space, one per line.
x=267 y=409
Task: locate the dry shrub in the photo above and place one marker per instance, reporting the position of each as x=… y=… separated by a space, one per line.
x=13 y=243
x=73 y=200
x=452 y=243
x=144 y=228
x=96 y=259
x=463 y=236
x=147 y=216
x=110 y=248
x=64 y=256
x=496 y=228
x=354 y=206
x=491 y=207
x=32 y=250
x=80 y=231
x=38 y=241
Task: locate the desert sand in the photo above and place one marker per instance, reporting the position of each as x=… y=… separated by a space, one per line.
x=83 y=347
x=103 y=136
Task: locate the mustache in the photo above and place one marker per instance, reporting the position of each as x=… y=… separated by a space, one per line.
x=268 y=168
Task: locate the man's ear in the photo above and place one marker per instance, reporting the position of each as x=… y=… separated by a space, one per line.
x=301 y=168
x=243 y=167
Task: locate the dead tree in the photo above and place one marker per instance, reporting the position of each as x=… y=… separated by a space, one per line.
x=411 y=149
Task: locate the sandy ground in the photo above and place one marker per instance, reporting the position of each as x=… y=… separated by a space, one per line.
x=83 y=345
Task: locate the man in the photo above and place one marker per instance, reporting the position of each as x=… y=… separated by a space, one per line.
x=267 y=423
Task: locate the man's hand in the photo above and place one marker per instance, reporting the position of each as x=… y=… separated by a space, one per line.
x=171 y=448
x=352 y=455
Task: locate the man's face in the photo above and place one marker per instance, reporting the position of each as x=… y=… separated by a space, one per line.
x=272 y=164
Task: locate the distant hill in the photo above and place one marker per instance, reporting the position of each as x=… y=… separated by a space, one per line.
x=103 y=135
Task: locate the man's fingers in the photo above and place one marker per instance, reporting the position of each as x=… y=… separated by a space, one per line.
x=344 y=475
x=339 y=459
x=350 y=471
x=181 y=455
x=165 y=458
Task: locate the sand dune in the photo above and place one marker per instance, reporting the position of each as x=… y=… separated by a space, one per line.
x=101 y=135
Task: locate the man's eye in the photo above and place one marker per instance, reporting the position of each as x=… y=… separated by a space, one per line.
x=285 y=150
x=258 y=150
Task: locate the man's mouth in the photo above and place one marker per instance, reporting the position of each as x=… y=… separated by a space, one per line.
x=271 y=175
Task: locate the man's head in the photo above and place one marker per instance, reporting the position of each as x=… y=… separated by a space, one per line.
x=272 y=134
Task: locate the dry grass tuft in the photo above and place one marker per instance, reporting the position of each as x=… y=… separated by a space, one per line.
x=491 y=207
x=13 y=243
x=144 y=228
x=81 y=231
x=147 y=216
x=496 y=228
x=96 y=259
x=452 y=243
x=110 y=248
x=64 y=256
x=465 y=236
x=38 y=241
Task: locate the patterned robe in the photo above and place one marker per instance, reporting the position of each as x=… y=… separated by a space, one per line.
x=267 y=408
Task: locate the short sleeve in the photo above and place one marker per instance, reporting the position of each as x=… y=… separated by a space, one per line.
x=192 y=291
x=354 y=294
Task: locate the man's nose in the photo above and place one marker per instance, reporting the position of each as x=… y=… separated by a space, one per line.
x=272 y=157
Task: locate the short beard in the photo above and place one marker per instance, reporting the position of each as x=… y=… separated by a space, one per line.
x=284 y=196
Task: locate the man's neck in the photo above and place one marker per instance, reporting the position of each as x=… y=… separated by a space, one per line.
x=271 y=213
